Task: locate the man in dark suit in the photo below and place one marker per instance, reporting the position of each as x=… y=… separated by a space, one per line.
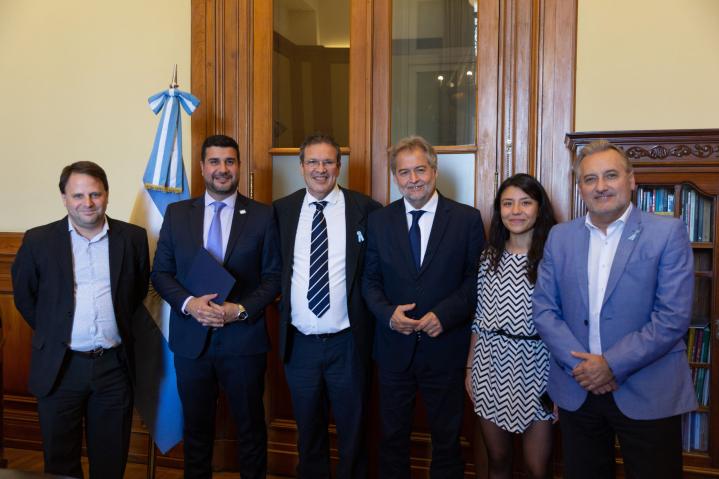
x=420 y=283
x=77 y=283
x=220 y=344
x=325 y=327
x=613 y=302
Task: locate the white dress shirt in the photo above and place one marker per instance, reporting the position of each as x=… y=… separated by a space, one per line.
x=93 y=324
x=602 y=248
x=336 y=318
x=425 y=221
x=226 y=215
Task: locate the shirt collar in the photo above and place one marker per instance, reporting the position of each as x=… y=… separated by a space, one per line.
x=332 y=198
x=429 y=207
x=229 y=201
x=622 y=220
x=103 y=232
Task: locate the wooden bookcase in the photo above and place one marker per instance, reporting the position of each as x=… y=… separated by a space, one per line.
x=677 y=173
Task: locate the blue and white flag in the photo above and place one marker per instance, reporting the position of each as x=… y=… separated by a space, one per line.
x=164 y=182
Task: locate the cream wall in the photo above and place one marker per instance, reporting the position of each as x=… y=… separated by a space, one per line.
x=647 y=64
x=75 y=76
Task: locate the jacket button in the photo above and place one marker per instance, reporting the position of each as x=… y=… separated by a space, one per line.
x=586 y=323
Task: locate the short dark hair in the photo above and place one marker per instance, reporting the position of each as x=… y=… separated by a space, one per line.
x=222 y=141
x=411 y=143
x=83 y=168
x=316 y=139
x=499 y=234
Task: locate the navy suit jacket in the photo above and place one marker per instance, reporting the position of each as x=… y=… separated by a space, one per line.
x=357 y=208
x=445 y=284
x=645 y=314
x=43 y=284
x=252 y=257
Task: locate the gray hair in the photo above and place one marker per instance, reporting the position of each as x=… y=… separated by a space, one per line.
x=598 y=146
x=412 y=143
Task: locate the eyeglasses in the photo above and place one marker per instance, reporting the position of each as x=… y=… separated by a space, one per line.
x=314 y=164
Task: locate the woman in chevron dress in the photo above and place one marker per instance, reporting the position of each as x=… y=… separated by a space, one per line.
x=508 y=363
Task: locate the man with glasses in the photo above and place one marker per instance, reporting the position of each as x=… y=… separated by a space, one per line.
x=325 y=328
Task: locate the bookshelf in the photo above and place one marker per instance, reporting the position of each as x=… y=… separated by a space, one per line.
x=677 y=174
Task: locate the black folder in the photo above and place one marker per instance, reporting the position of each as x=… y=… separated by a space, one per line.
x=207 y=276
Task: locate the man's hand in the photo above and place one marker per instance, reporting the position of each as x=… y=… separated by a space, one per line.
x=401 y=323
x=206 y=312
x=429 y=323
x=593 y=373
x=231 y=312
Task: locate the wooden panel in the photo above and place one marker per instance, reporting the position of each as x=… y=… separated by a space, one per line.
x=381 y=97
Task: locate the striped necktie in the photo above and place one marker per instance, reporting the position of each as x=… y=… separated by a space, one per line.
x=318 y=293
x=214 y=235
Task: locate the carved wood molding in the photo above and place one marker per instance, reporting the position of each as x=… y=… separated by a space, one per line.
x=665 y=147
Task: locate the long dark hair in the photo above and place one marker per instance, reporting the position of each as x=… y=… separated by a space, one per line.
x=499 y=234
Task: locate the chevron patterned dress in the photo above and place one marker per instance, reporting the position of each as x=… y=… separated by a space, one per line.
x=508 y=374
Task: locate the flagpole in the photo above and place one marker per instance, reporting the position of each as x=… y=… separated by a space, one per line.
x=151 y=449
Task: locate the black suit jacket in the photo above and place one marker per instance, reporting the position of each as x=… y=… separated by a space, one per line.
x=445 y=284
x=252 y=257
x=43 y=284
x=357 y=208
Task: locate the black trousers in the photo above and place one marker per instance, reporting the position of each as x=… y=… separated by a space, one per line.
x=243 y=380
x=99 y=392
x=443 y=395
x=324 y=371
x=650 y=448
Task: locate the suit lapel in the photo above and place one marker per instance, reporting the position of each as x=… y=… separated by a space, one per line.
x=197 y=220
x=353 y=218
x=239 y=219
x=63 y=251
x=116 y=251
x=626 y=246
x=582 y=267
x=439 y=226
x=401 y=232
x=292 y=220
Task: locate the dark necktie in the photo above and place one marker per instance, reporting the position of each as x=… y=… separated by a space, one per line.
x=214 y=235
x=318 y=293
x=415 y=237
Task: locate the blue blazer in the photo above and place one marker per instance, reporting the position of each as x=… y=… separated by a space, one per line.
x=445 y=284
x=252 y=257
x=645 y=314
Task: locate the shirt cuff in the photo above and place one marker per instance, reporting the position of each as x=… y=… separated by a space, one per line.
x=184 y=305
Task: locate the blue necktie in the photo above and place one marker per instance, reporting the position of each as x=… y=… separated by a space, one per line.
x=415 y=237
x=214 y=236
x=318 y=293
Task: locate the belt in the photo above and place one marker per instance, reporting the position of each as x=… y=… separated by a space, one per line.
x=502 y=332
x=94 y=353
x=324 y=336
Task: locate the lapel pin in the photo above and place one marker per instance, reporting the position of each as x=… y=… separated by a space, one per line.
x=360 y=238
x=242 y=212
x=635 y=234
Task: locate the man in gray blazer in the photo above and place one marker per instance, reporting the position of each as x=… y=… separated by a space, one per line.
x=612 y=302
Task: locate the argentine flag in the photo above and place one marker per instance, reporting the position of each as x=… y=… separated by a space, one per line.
x=164 y=182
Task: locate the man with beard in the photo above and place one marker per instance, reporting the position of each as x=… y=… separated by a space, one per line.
x=220 y=344
x=420 y=283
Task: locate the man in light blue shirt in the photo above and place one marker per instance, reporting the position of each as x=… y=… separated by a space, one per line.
x=78 y=282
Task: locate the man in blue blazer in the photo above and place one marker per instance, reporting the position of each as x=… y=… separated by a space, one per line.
x=220 y=344
x=420 y=283
x=325 y=331
x=612 y=302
